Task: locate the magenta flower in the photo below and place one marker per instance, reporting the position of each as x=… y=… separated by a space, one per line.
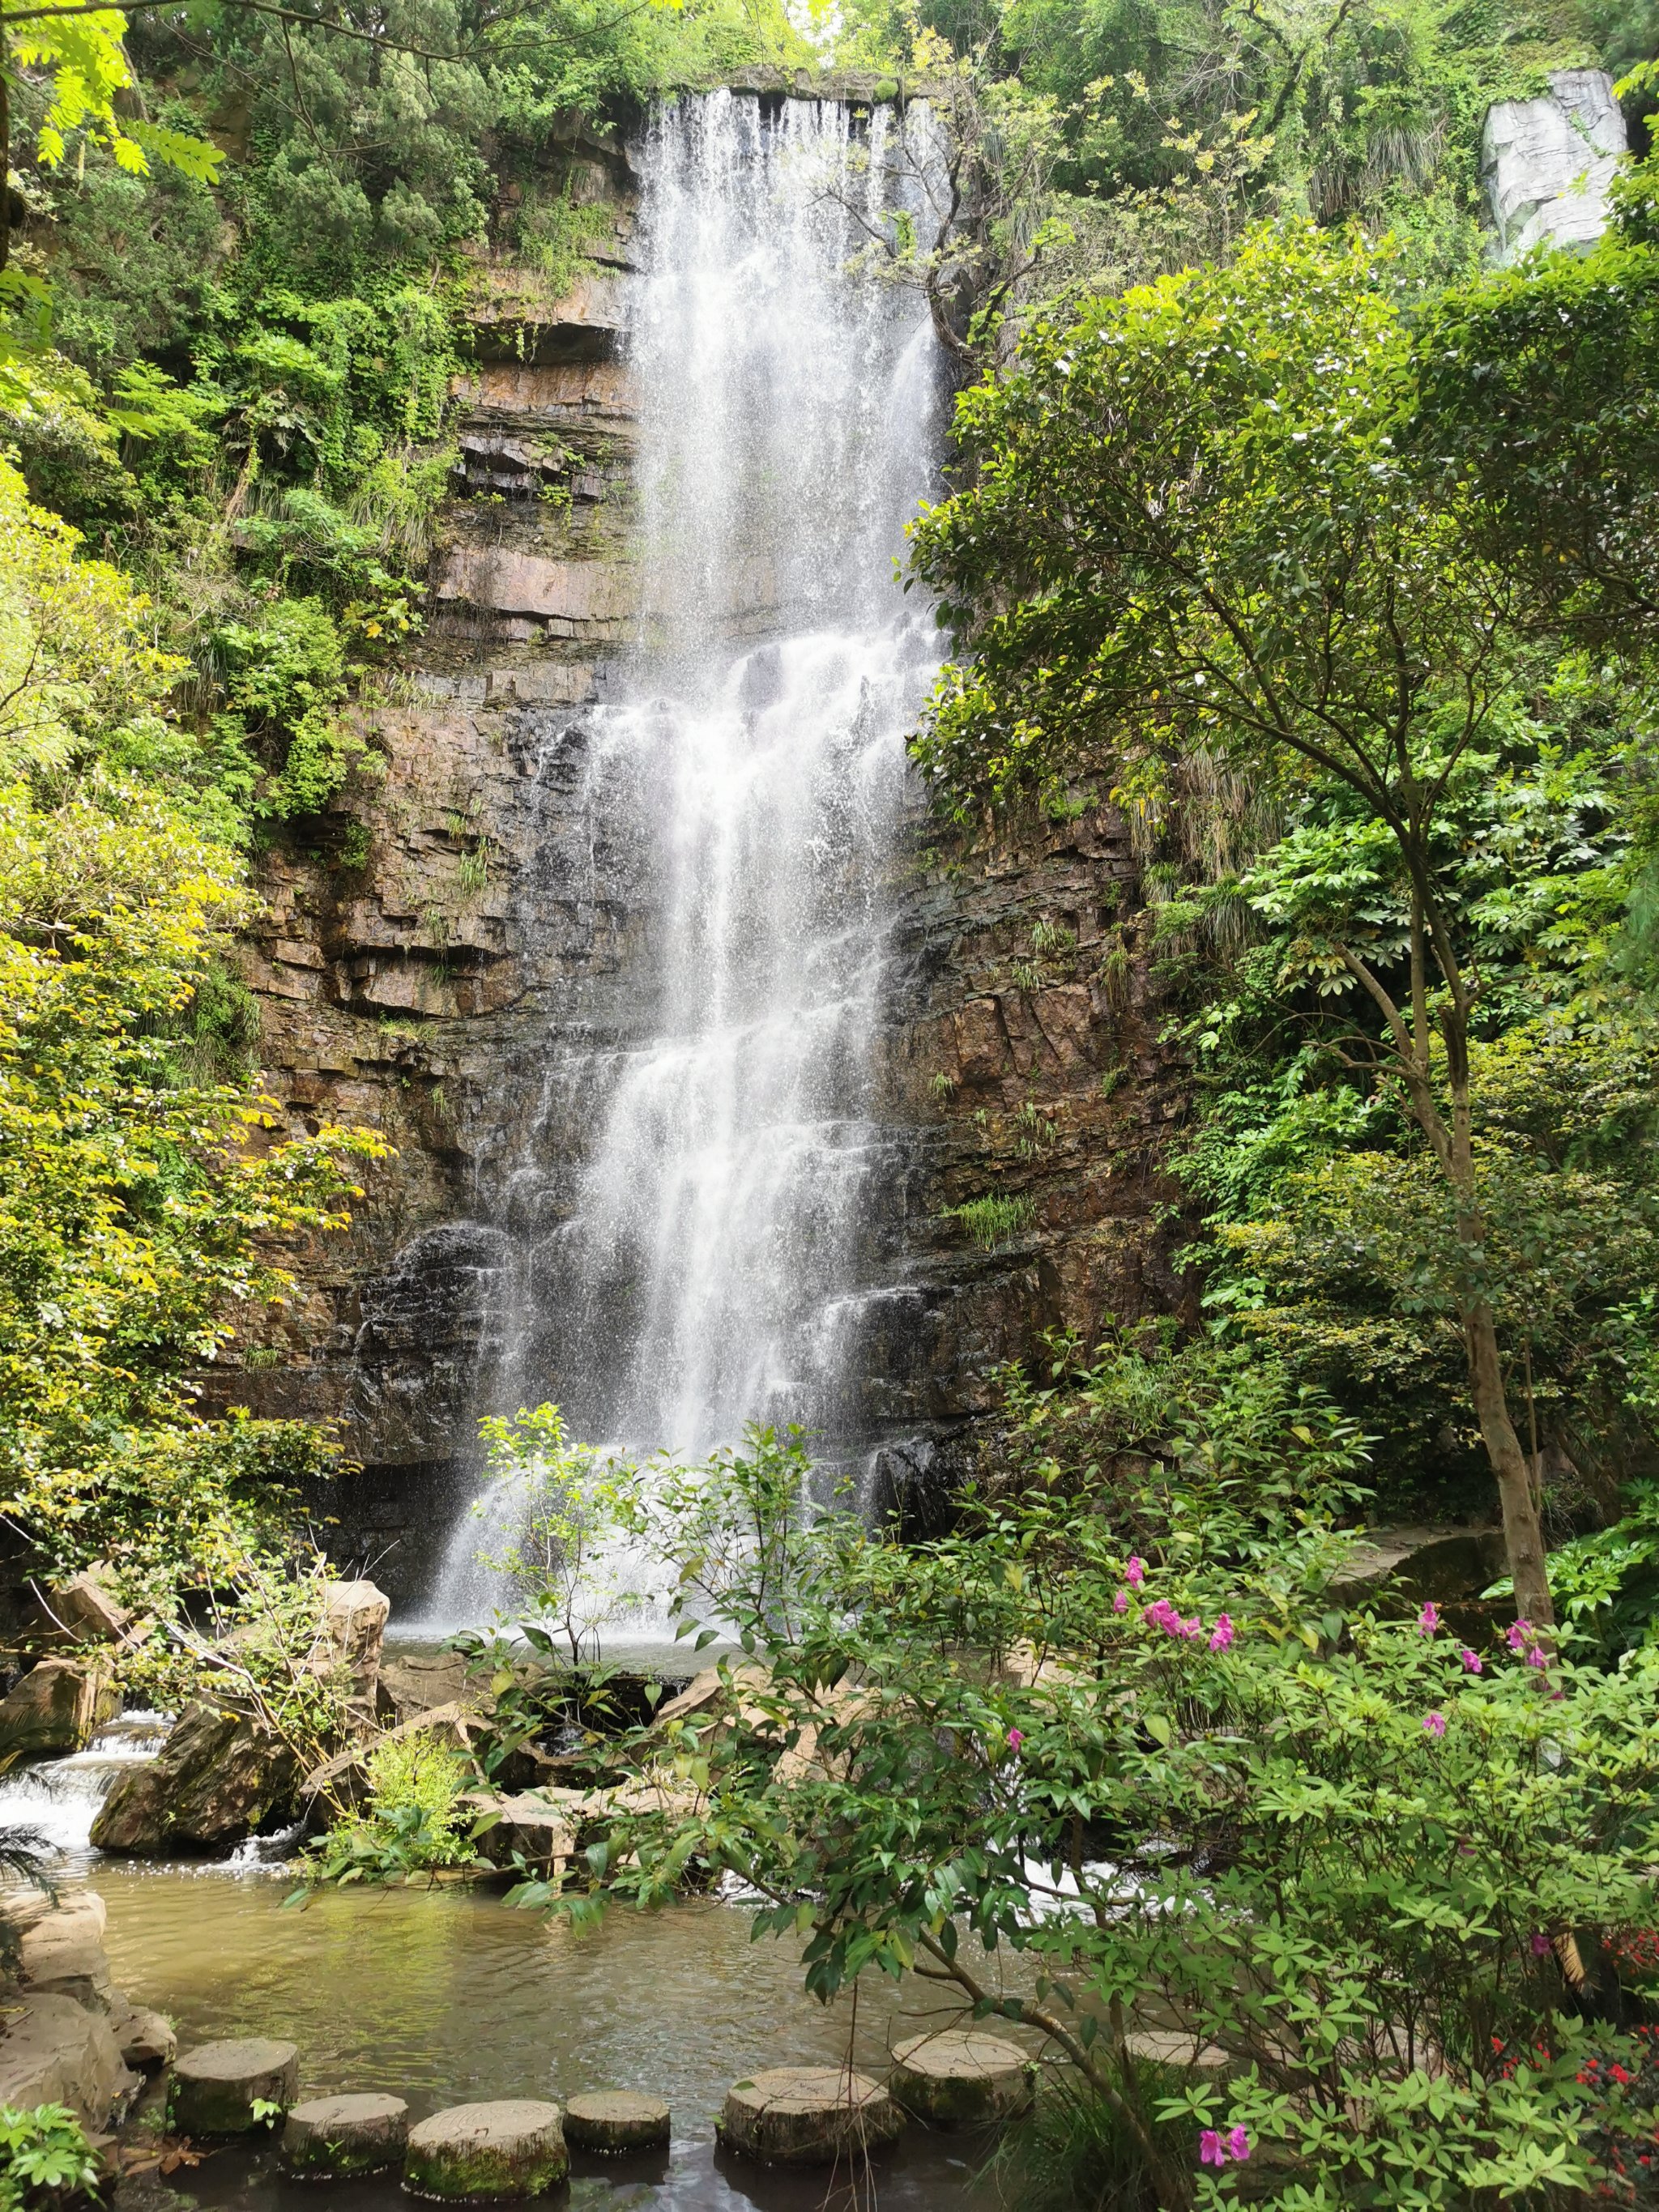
x=1190 y=1628
x=1540 y=1943
x=1015 y=1739
x=1161 y=1612
x=1210 y=2152
x=1135 y=1573
x=1429 y=1620
x=1518 y=1634
x=1434 y=1724
x=1472 y=1664
x=1238 y=2144
x=1223 y=1634
x=1121 y=1602
x=1538 y=1656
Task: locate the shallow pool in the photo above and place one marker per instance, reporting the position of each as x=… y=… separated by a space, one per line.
x=447 y=1997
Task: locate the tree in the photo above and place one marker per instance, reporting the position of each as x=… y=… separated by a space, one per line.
x=1188 y=529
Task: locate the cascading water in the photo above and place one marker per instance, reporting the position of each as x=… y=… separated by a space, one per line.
x=708 y=1267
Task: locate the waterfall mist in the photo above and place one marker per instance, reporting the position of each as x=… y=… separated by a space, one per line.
x=705 y=1269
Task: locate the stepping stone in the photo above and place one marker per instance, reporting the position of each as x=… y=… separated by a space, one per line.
x=960 y=2078
x=480 y=2153
x=332 y=2137
x=613 y=2121
x=216 y=2086
x=808 y=2115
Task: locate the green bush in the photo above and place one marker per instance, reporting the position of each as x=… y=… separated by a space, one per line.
x=44 y=2153
x=413 y=1822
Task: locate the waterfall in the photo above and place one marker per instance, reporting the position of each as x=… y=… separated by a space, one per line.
x=708 y=1265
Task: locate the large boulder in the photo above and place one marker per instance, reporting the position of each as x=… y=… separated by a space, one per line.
x=55 y=2051
x=60 y=1950
x=221 y=1776
x=56 y=1707
x=84 y=1609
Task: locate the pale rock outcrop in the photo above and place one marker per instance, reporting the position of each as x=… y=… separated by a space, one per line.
x=1547 y=163
x=56 y=1707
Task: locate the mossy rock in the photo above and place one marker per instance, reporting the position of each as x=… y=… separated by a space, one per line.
x=960 y=2078
x=614 y=2122
x=808 y=2115
x=215 y=2088
x=333 y=2138
x=485 y=2153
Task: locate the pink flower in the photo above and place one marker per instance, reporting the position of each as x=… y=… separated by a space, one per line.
x=1190 y=1628
x=1434 y=1724
x=1121 y=1602
x=1135 y=1573
x=1538 y=1656
x=1540 y=1943
x=1429 y=1620
x=1210 y=2152
x=1015 y=1739
x=1223 y=1634
x=1160 y=1614
x=1471 y=1660
x=1518 y=1634
x=1238 y=2144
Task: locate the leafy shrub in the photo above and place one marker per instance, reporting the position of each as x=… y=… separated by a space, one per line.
x=413 y=1822
x=43 y=2153
x=993 y=1219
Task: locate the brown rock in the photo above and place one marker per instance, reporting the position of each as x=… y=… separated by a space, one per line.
x=144 y=2037
x=220 y=1775
x=808 y=2115
x=56 y=1707
x=85 y=1609
x=62 y=1950
x=55 y=2051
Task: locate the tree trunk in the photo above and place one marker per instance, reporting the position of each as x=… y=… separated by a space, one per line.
x=1523 y=1536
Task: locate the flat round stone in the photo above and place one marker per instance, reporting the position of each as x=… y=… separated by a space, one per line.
x=215 y=2088
x=612 y=2121
x=808 y=2115
x=960 y=2077
x=480 y=2154
x=334 y=2137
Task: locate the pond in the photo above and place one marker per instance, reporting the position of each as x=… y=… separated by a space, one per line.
x=445 y=1995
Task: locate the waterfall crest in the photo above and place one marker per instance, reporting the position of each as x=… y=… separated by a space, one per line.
x=705 y=1269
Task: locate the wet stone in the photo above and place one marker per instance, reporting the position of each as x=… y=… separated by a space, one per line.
x=614 y=2121
x=332 y=2138
x=216 y=2086
x=960 y=2078
x=482 y=2153
x=808 y=2115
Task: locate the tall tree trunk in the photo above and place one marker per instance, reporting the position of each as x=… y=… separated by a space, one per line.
x=1523 y=1536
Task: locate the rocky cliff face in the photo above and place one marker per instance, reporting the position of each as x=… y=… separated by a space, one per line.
x=453 y=984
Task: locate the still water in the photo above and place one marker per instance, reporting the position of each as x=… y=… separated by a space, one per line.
x=445 y=1998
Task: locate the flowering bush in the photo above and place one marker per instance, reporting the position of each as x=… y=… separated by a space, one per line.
x=1361 y=1871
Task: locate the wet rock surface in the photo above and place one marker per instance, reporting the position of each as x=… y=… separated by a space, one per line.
x=478 y=931
x=221 y=1776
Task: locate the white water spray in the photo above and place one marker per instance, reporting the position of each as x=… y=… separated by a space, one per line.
x=710 y=1272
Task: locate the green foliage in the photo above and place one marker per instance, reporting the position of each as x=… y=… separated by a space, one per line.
x=993 y=1219
x=413 y=1823
x=559 y=1565
x=1177 y=1782
x=44 y=2154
